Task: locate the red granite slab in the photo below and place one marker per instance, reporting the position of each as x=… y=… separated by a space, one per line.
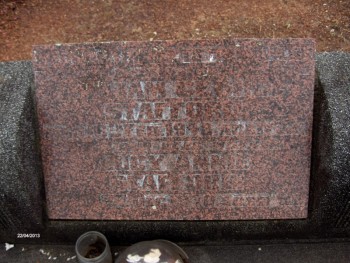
x=176 y=130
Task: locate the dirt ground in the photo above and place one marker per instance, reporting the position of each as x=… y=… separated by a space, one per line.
x=24 y=23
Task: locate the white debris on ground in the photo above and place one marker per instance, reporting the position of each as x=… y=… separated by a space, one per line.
x=44 y=253
x=50 y=257
x=9 y=246
x=153 y=256
x=68 y=259
x=51 y=254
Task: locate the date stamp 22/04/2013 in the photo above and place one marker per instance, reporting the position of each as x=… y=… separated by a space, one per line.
x=28 y=235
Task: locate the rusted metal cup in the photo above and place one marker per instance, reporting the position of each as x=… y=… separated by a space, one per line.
x=93 y=247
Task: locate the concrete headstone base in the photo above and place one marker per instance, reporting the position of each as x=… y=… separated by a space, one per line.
x=21 y=187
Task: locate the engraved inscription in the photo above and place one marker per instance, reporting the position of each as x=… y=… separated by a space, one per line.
x=208 y=130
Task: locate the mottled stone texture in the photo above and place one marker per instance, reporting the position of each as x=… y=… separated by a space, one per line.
x=326 y=206
x=176 y=130
x=332 y=140
x=21 y=199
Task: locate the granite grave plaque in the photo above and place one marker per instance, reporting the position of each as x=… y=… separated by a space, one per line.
x=176 y=130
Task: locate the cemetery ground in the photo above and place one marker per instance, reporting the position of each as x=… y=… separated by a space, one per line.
x=24 y=23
